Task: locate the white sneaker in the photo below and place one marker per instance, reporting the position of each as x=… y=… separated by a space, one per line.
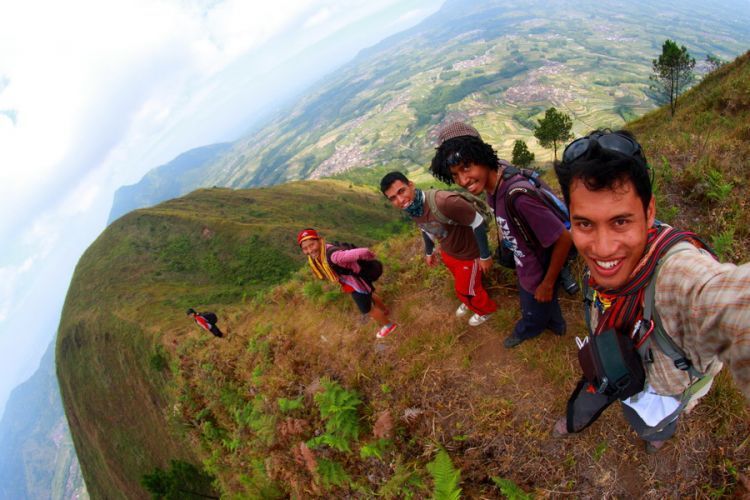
x=477 y=320
x=461 y=311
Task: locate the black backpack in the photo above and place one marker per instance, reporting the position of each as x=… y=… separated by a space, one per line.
x=370 y=270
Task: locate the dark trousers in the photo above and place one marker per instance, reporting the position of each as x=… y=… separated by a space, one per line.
x=538 y=316
x=585 y=407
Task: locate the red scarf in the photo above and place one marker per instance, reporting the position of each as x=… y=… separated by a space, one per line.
x=627 y=301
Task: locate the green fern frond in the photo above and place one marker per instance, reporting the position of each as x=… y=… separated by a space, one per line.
x=511 y=490
x=287 y=405
x=376 y=449
x=332 y=473
x=445 y=476
x=338 y=407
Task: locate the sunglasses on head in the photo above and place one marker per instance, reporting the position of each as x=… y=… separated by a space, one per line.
x=612 y=141
x=453 y=159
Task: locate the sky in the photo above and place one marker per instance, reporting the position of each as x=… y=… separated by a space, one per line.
x=94 y=93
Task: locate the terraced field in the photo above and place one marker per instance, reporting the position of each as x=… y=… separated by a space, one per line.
x=496 y=63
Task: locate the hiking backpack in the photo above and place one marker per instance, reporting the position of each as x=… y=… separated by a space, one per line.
x=479 y=205
x=542 y=192
x=369 y=270
x=539 y=191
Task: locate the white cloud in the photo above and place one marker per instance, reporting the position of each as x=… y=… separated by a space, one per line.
x=318 y=18
x=10 y=278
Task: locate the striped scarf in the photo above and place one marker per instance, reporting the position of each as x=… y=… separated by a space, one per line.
x=626 y=303
x=320 y=266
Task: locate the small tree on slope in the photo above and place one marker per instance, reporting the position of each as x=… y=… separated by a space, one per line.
x=673 y=72
x=553 y=129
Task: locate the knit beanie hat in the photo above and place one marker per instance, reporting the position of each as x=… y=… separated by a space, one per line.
x=456 y=129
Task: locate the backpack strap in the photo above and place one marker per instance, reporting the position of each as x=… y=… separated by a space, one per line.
x=430 y=196
x=651 y=319
x=657 y=334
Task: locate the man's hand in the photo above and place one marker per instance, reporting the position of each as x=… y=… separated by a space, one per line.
x=485 y=265
x=544 y=291
x=430 y=259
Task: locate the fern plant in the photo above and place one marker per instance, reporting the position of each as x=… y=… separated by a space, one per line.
x=338 y=407
x=376 y=449
x=511 y=490
x=288 y=405
x=332 y=473
x=445 y=476
x=718 y=189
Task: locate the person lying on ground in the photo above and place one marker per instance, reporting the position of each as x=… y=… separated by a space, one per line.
x=206 y=320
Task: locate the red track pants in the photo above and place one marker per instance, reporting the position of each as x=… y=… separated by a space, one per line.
x=467 y=278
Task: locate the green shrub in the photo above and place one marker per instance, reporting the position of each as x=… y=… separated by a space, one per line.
x=158 y=360
x=723 y=243
x=288 y=405
x=182 y=481
x=717 y=189
x=332 y=473
x=376 y=449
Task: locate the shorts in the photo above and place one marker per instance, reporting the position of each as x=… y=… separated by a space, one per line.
x=363 y=301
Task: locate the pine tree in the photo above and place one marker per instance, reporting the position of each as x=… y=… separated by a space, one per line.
x=553 y=129
x=673 y=71
x=522 y=157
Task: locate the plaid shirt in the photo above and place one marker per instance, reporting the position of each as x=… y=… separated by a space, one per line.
x=704 y=306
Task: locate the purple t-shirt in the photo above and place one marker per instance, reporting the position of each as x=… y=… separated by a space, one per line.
x=540 y=219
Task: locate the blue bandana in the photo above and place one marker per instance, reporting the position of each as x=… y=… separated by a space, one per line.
x=416 y=209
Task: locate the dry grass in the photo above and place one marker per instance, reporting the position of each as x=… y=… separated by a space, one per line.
x=449 y=385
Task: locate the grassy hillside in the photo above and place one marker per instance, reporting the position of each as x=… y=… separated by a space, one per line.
x=701 y=158
x=208 y=250
x=300 y=399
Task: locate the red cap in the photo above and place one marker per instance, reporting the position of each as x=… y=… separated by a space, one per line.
x=307 y=234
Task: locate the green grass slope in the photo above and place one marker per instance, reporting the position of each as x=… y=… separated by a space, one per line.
x=207 y=250
x=701 y=158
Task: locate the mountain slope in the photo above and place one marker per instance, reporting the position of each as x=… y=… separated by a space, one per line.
x=701 y=158
x=213 y=249
x=176 y=178
x=37 y=457
x=300 y=400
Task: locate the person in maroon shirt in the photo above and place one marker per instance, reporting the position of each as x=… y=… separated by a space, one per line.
x=465 y=159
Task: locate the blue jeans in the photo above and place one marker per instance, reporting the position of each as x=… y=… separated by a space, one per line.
x=538 y=316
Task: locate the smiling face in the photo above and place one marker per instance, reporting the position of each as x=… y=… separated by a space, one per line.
x=400 y=194
x=610 y=230
x=473 y=177
x=311 y=247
